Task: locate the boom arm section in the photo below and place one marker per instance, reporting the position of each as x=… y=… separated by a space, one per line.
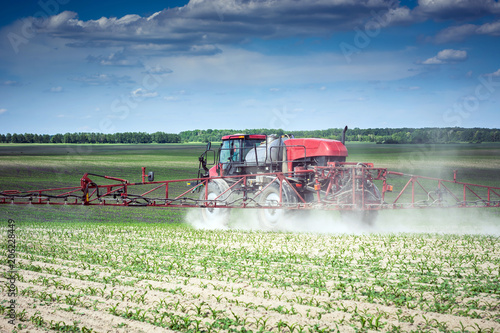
x=337 y=186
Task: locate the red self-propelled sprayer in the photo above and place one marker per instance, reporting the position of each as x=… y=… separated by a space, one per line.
x=277 y=176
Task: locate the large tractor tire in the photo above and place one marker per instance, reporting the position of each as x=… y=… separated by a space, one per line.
x=271 y=219
x=212 y=215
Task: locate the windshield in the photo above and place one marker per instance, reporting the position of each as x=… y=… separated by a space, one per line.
x=236 y=150
x=249 y=146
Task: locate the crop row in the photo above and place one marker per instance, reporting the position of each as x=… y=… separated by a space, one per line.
x=192 y=280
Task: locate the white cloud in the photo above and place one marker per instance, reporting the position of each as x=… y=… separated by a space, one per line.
x=495 y=74
x=489 y=29
x=114 y=59
x=102 y=79
x=446 y=56
x=11 y=83
x=143 y=93
x=459 y=33
x=452 y=55
x=158 y=70
x=459 y=11
x=200 y=26
x=3 y=111
x=455 y=9
x=396 y=16
x=455 y=33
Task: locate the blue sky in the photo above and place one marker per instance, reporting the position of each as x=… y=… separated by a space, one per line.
x=117 y=66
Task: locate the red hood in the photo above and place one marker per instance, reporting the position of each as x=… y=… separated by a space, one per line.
x=314 y=147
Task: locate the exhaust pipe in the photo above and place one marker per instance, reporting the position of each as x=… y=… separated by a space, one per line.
x=343 y=135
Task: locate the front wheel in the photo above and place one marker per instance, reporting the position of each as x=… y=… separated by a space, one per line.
x=217 y=193
x=270 y=219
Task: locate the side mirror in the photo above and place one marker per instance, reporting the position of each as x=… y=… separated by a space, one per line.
x=209 y=144
x=151 y=176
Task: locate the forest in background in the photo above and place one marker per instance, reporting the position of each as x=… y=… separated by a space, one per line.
x=377 y=135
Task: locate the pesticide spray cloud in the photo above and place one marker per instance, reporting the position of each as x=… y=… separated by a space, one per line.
x=441 y=221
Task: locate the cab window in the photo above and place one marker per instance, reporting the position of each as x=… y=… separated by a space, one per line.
x=236 y=150
x=225 y=152
x=249 y=145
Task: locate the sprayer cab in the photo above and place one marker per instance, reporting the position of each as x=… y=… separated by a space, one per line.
x=234 y=154
x=242 y=154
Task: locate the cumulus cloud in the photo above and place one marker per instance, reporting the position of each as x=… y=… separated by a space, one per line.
x=458 y=10
x=446 y=56
x=201 y=25
x=490 y=29
x=461 y=32
x=3 y=111
x=495 y=74
x=114 y=59
x=455 y=33
x=11 y=83
x=102 y=79
x=158 y=70
x=143 y=93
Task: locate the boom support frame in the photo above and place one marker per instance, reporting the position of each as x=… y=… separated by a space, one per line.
x=337 y=186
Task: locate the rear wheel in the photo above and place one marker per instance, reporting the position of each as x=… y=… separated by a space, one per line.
x=270 y=219
x=212 y=215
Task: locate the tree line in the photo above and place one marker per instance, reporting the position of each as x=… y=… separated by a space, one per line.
x=126 y=137
x=378 y=135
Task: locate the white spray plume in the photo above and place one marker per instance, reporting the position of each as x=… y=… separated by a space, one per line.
x=460 y=221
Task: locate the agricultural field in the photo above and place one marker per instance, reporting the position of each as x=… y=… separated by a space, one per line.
x=136 y=269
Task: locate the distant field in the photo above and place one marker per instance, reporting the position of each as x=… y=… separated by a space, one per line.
x=475 y=162
x=133 y=269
